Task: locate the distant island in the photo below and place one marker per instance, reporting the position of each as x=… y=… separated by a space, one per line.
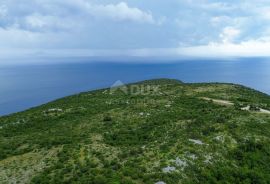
x=154 y=132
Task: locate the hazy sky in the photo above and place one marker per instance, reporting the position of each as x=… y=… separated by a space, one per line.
x=135 y=27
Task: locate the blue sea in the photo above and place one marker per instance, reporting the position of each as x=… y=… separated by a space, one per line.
x=27 y=85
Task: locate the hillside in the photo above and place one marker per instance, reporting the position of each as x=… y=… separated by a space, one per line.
x=153 y=132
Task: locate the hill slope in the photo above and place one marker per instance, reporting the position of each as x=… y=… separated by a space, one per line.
x=158 y=131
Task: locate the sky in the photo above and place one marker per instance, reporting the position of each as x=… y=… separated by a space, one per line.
x=143 y=28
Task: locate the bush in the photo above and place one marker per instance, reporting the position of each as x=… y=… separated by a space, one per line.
x=107 y=118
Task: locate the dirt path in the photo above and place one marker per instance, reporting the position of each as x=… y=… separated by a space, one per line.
x=228 y=103
x=260 y=110
x=220 y=102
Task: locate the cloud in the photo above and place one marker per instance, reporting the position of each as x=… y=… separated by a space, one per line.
x=49 y=15
x=263 y=12
x=220 y=6
x=229 y=34
x=3 y=11
x=120 y=12
x=252 y=48
x=14 y=38
x=47 y=23
x=71 y=23
x=152 y=27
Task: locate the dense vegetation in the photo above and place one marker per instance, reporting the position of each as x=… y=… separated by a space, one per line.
x=170 y=135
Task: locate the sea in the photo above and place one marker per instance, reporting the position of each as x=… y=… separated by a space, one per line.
x=26 y=85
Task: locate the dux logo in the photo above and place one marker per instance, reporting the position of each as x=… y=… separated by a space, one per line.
x=119 y=85
x=134 y=89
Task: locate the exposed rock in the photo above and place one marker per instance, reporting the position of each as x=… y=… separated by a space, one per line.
x=196 y=141
x=192 y=156
x=208 y=159
x=180 y=163
x=55 y=110
x=160 y=182
x=168 y=169
x=219 y=138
